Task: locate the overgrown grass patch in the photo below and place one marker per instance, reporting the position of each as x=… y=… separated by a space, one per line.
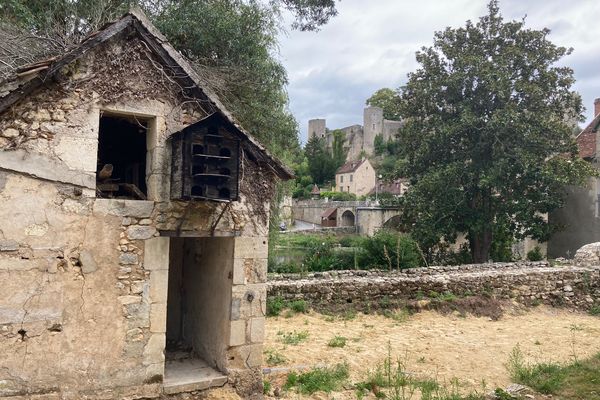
x=293 y=338
x=337 y=341
x=390 y=380
x=575 y=381
x=273 y=358
x=327 y=379
x=276 y=304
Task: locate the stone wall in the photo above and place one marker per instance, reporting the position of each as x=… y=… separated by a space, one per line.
x=525 y=282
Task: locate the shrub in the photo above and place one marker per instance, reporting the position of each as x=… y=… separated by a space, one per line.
x=299 y=306
x=535 y=254
x=392 y=250
x=274 y=306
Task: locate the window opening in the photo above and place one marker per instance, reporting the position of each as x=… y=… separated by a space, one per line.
x=121 y=167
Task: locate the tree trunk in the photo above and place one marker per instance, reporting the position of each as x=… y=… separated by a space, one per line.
x=480 y=244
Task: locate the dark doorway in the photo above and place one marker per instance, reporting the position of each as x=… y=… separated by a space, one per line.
x=121 y=169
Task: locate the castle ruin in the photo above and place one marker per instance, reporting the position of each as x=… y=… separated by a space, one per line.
x=358 y=139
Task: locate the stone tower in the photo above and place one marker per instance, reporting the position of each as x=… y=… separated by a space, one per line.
x=316 y=127
x=373 y=125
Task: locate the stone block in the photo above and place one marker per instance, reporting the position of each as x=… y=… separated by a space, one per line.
x=8 y=245
x=158 y=317
x=159 y=284
x=239 y=276
x=88 y=263
x=252 y=299
x=255 y=270
x=247 y=356
x=126 y=300
x=251 y=247
x=154 y=351
x=128 y=259
x=156 y=254
x=237 y=334
x=257 y=330
x=140 y=232
x=124 y=208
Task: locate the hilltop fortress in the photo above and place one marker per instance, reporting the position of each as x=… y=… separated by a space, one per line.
x=358 y=138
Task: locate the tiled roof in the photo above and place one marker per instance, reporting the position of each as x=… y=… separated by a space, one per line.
x=587 y=139
x=350 y=166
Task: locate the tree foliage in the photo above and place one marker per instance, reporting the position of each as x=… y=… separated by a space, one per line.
x=338 y=152
x=487 y=137
x=386 y=99
x=321 y=165
x=232 y=43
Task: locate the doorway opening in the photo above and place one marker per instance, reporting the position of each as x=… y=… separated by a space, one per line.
x=121 y=167
x=198 y=307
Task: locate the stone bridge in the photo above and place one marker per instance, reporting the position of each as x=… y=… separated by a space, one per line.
x=366 y=216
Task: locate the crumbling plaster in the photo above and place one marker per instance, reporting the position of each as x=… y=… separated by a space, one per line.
x=83 y=300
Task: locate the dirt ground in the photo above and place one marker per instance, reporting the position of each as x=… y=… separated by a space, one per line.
x=473 y=350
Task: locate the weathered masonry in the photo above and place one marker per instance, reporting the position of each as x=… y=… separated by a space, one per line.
x=133 y=226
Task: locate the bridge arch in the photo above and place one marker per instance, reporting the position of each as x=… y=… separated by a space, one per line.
x=392 y=223
x=348 y=218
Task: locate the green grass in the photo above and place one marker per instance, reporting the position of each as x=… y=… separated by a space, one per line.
x=595 y=310
x=294 y=338
x=266 y=387
x=337 y=341
x=319 y=379
x=575 y=381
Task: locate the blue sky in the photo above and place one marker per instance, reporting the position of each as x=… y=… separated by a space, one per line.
x=372 y=43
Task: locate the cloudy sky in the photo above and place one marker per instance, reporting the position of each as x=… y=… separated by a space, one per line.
x=371 y=44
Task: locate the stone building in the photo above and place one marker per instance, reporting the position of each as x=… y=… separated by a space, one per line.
x=359 y=139
x=357 y=177
x=580 y=216
x=133 y=226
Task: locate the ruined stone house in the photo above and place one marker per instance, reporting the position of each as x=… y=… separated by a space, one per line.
x=580 y=215
x=133 y=226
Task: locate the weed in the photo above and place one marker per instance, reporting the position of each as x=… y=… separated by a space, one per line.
x=266 y=387
x=288 y=314
x=398 y=315
x=337 y=341
x=421 y=360
x=595 y=310
x=294 y=338
x=503 y=395
x=273 y=357
x=537 y=343
x=274 y=306
x=319 y=379
x=546 y=378
x=329 y=318
x=349 y=315
x=299 y=306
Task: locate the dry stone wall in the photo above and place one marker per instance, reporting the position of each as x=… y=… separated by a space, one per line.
x=528 y=283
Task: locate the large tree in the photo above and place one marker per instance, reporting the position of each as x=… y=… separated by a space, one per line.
x=386 y=99
x=488 y=138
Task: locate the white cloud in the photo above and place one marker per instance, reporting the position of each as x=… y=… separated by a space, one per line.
x=371 y=44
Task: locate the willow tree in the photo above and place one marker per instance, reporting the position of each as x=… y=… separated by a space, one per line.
x=487 y=139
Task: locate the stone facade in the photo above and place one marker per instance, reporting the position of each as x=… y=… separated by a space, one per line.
x=83 y=311
x=356 y=177
x=528 y=283
x=580 y=215
x=359 y=139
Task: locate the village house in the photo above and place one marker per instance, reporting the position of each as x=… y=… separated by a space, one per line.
x=133 y=226
x=580 y=215
x=357 y=177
